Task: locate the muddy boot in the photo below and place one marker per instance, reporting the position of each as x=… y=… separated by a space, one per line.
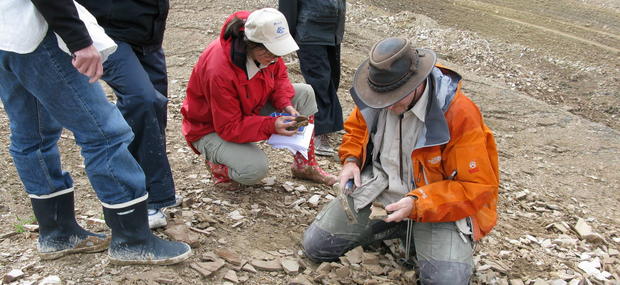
x=134 y=243
x=221 y=178
x=308 y=168
x=59 y=232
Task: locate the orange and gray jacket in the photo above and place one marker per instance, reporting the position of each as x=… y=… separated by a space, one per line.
x=455 y=163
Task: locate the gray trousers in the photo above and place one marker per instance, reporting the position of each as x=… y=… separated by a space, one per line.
x=443 y=255
x=247 y=163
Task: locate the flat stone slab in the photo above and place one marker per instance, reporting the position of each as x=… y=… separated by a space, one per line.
x=290 y=266
x=229 y=256
x=377 y=211
x=267 y=265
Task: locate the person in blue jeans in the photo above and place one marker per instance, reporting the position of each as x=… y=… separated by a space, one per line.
x=44 y=90
x=136 y=72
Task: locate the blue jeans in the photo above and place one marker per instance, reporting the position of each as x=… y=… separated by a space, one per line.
x=140 y=83
x=42 y=93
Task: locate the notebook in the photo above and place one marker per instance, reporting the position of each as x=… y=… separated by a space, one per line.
x=296 y=143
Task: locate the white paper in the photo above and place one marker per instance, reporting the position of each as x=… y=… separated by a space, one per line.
x=296 y=143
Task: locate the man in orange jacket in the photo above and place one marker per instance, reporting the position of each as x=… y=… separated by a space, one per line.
x=417 y=144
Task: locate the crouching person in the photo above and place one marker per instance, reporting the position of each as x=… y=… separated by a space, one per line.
x=44 y=90
x=417 y=144
x=237 y=82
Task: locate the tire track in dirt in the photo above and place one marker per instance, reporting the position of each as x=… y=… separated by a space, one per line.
x=489 y=9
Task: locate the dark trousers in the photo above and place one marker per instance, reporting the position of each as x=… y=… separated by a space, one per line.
x=320 y=66
x=140 y=82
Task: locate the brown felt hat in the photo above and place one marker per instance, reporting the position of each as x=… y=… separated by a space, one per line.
x=392 y=71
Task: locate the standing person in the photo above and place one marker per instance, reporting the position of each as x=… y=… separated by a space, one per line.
x=238 y=81
x=318 y=28
x=44 y=89
x=417 y=144
x=137 y=74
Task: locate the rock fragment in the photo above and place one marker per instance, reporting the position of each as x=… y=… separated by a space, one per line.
x=249 y=268
x=235 y=215
x=229 y=256
x=231 y=276
x=314 y=200
x=12 y=276
x=324 y=267
x=290 y=266
x=181 y=232
x=582 y=228
x=267 y=265
x=49 y=280
x=269 y=181
x=377 y=211
x=516 y=282
x=300 y=280
x=207 y=268
x=355 y=255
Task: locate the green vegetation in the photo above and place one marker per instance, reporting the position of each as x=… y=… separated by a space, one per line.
x=19 y=226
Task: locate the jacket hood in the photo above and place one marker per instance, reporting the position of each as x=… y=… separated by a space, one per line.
x=444 y=84
x=239 y=14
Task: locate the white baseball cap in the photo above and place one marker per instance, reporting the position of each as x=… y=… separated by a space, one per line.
x=269 y=27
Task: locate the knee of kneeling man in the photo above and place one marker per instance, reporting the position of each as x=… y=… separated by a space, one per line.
x=316 y=245
x=312 y=246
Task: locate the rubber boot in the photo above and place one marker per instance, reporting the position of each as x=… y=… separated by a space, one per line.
x=134 y=243
x=221 y=179
x=59 y=232
x=308 y=168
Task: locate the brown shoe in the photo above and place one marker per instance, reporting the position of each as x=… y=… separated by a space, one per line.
x=313 y=173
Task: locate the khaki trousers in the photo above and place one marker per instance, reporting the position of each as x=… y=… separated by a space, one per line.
x=247 y=163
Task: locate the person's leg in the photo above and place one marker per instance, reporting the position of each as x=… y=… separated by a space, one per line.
x=81 y=107
x=144 y=109
x=154 y=63
x=243 y=163
x=334 y=61
x=331 y=234
x=34 y=136
x=444 y=255
x=316 y=67
x=103 y=135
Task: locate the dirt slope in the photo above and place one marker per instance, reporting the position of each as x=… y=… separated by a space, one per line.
x=545 y=75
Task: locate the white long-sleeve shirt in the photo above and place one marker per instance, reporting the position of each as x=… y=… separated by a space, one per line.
x=22 y=27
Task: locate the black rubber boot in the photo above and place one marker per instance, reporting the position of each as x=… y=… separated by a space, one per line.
x=134 y=243
x=59 y=232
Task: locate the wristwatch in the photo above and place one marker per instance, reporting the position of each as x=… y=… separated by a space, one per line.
x=352 y=159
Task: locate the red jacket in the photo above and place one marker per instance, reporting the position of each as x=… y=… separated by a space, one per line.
x=455 y=139
x=221 y=99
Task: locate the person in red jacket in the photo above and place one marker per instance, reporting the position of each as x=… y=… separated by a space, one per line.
x=418 y=145
x=238 y=81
